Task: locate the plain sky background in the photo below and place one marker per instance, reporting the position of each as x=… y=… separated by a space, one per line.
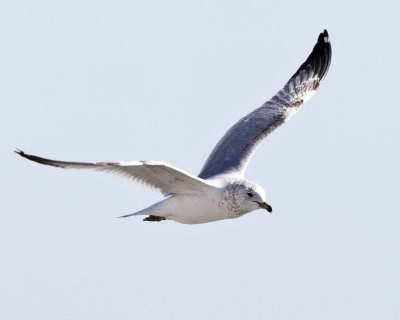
x=163 y=80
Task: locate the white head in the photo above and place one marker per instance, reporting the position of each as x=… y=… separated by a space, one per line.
x=240 y=197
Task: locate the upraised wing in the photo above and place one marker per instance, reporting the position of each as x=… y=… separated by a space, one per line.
x=156 y=175
x=234 y=150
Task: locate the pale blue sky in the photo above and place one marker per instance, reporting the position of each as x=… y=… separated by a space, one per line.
x=163 y=80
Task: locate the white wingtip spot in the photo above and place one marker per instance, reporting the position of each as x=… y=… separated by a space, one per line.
x=326 y=39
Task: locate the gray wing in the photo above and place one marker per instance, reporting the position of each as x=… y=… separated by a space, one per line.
x=156 y=175
x=234 y=150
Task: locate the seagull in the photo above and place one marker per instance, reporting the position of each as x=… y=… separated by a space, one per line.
x=220 y=191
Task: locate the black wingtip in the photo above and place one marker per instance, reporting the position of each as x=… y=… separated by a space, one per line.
x=25 y=155
x=34 y=158
x=320 y=57
x=20 y=152
x=323 y=37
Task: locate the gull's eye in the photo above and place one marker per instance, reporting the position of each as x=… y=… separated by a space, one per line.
x=249 y=194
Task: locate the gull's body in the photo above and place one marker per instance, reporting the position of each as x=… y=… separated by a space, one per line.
x=220 y=191
x=188 y=209
x=215 y=201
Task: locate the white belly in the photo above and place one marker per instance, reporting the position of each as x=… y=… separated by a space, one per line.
x=191 y=209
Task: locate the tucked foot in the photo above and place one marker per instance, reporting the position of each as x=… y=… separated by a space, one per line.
x=154 y=218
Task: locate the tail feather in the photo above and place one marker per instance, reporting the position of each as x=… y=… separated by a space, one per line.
x=153 y=210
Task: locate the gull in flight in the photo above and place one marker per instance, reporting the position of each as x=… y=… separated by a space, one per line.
x=220 y=191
